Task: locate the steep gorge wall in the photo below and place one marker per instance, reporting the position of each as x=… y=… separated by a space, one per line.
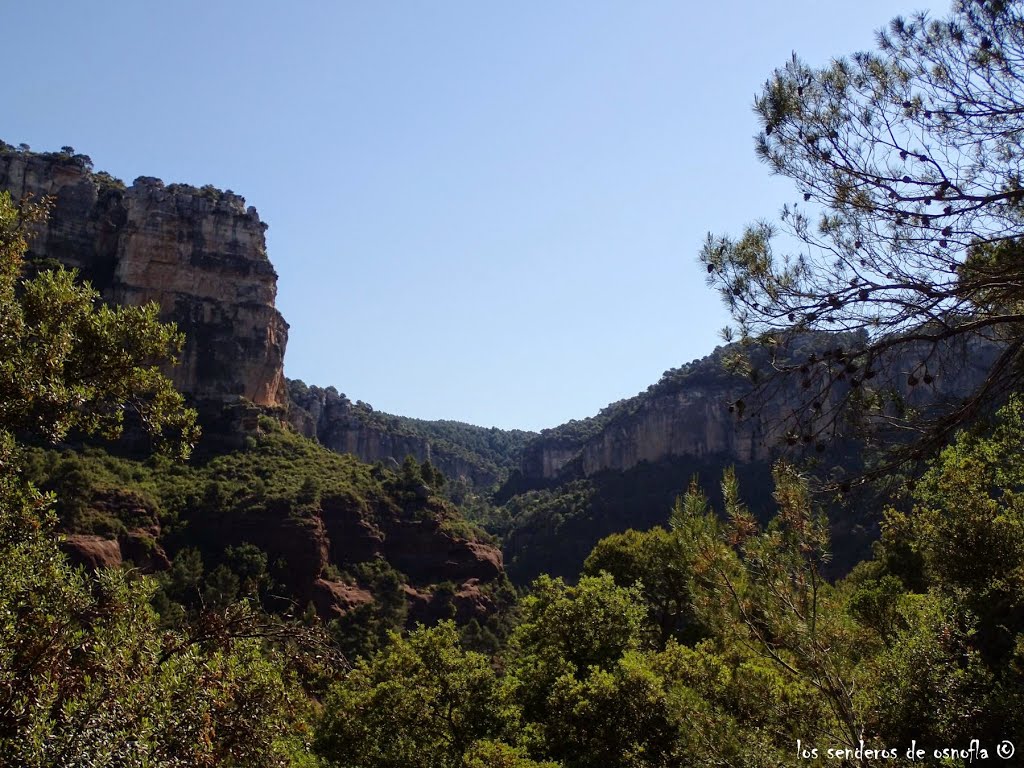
x=200 y=254
x=336 y=423
x=690 y=417
x=693 y=422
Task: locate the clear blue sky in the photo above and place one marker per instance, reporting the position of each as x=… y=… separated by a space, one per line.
x=488 y=212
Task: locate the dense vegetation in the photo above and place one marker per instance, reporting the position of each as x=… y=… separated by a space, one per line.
x=719 y=642
x=87 y=677
x=211 y=661
x=552 y=530
x=721 y=638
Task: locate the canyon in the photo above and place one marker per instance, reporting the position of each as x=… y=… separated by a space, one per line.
x=200 y=254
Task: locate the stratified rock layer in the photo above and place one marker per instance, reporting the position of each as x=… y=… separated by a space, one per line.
x=691 y=414
x=200 y=254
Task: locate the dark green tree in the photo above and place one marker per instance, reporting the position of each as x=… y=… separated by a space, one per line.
x=659 y=564
x=68 y=362
x=765 y=594
x=577 y=670
x=422 y=702
x=958 y=550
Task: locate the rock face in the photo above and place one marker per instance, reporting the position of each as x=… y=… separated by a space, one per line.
x=416 y=542
x=691 y=420
x=92 y=551
x=690 y=414
x=545 y=457
x=342 y=426
x=136 y=546
x=200 y=254
x=137 y=543
x=334 y=598
x=466 y=603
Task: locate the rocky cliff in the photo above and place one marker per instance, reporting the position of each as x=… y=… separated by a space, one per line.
x=321 y=520
x=688 y=417
x=624 y=467
x=480 y=455
x=200 y=254
x=691 y=414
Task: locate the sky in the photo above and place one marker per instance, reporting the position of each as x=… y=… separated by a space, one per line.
x=488 y=212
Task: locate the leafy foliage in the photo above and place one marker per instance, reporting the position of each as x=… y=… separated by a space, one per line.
x=658 y=562
x=610 y=671
x=422 y=701
x=86 y=677
x=552 y=530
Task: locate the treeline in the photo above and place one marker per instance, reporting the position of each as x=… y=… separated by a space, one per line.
x=495 y=450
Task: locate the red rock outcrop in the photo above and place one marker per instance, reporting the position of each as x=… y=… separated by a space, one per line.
x=333 y=599
x=297 y=547
x=354 y=539
x=144 y=551
x=469 y=601
x=92 y=551
x=136 y=547
x=427 y=553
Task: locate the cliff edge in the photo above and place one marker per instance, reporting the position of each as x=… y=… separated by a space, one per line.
x=199 y=253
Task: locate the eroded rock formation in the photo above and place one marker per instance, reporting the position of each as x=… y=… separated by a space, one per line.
x=691 y=414
x=200 y=254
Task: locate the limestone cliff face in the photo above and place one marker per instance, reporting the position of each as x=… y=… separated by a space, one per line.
x=694 y=422
x=690 y=414
x=344 y=427
x=200 y=254
x=545 y=458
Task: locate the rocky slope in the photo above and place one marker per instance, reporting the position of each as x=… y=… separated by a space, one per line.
x=624 y=467
x=200 y=254
x=324 y=524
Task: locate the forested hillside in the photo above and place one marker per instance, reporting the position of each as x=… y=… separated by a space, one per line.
x=482 y=456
